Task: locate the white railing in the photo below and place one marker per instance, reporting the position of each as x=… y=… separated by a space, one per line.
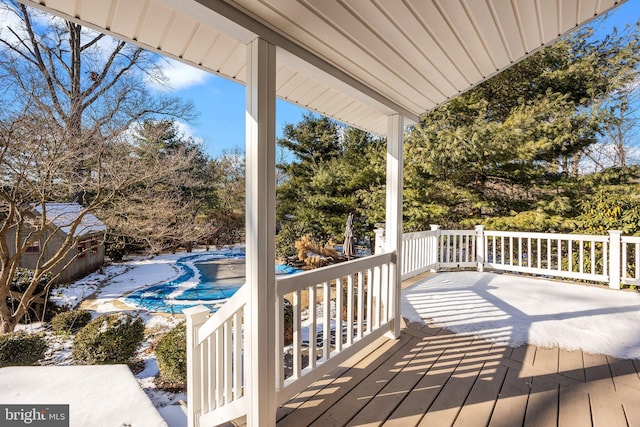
x=612 y=258
x=215 y=363
x=630 y=274
x=457 y=249
x=422 y=248
x=571 y=256
x=336 y=311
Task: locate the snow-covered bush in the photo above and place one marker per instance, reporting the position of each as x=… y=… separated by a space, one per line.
x=110 y=338
x=70 y=321
x=21 y=349
x=171 y=353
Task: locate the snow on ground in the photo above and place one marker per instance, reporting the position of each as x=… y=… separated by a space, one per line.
x=105 y=395
x=515 y=310
x=104 y=292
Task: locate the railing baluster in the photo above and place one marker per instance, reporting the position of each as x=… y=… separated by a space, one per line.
x=593 y=257
x=559 y=255
x=493 y=242
x=218 y=367
x=539 y=253
x=280 y=340
x=637 y=254
x=624 y=261
x=369 y=300
x=510 y=250
x=312 y=327
x=570 y=254
x=454 y=252
x=326 y=327
x=339 y=315
x=237 y=353
x=228 y=376
x=360 y=304
x=605 y=258
x=350 y=310
x=297 y=338
x=206 y=402
x=581 y=249
x=520 y=254
x=377 y=289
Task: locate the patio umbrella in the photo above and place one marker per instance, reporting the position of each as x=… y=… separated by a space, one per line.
x=347 y=248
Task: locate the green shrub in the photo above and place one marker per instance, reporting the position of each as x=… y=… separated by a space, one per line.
x=21 y=349
x=171 y=353
x=70 y=321
x=109 y=339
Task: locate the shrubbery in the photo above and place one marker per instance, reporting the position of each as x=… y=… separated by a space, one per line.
x=70 y=321
x=171 y=353
x=110 y=338
x=21 y=349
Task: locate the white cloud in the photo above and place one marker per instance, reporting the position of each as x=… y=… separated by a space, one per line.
x=179 y=76
x=188 y=131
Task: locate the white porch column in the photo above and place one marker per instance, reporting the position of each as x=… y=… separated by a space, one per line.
x=259 y=356
x=393 y=225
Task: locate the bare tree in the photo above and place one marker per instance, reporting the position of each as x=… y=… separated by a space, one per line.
x=70 y=97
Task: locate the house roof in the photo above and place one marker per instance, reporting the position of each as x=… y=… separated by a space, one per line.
x=356 y=61
x=63 y=214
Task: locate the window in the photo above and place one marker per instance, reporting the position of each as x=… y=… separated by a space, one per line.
x=82 y=249
x=34 y=248
x=94 y=246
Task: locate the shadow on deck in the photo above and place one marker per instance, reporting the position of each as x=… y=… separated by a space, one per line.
x=431 y=376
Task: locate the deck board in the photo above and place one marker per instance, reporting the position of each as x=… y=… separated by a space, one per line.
x=384 y=403
x=482 y=399
x=348 y=406
x=302 y=411
x=570 y=364
x=574 y=408
x=512 y=401
x=431 y=376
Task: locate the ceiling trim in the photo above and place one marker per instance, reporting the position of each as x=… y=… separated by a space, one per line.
x=273 y=37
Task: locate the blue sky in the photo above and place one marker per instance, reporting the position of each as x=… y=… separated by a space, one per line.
x=220 y=102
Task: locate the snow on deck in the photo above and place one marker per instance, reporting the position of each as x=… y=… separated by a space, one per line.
x=516 y=310
x=98 y=395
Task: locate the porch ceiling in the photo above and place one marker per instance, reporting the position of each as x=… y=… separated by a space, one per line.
x=357 y=61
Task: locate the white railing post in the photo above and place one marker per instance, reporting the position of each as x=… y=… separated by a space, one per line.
x=393 y=217
x=435 y=247
x=480 y=247
x=379 y=242
x=615 y=241
x=196 y=316
x=260 y=325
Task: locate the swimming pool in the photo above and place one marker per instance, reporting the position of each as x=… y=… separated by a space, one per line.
x=207 y=279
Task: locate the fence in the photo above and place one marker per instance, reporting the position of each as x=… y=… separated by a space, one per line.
x=612 y=259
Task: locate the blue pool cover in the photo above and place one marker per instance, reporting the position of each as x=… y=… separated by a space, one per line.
x=193 y=287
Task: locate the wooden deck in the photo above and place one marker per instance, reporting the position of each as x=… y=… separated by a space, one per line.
x=433 y=377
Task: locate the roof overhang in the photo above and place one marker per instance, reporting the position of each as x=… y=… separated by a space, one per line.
x=355 y=61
